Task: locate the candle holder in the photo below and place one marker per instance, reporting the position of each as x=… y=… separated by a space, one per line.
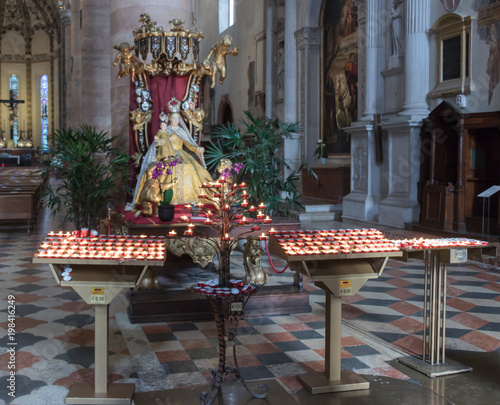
x=224 y=209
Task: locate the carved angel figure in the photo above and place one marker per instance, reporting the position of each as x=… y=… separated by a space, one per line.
x=218 y=63
x=129 y=63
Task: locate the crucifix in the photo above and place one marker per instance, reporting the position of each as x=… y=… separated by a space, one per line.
x=12 y=104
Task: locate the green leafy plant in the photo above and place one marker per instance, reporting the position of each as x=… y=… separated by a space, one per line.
x=258 y=149
x=92 y=173
x=158 y=175
x=321 y=151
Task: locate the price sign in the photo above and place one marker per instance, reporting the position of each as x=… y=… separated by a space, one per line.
x=236 y=306
x=97 y=295
x=345 y=287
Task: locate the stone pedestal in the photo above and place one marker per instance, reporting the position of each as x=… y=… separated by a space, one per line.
x=401 y=204
x=362 y=202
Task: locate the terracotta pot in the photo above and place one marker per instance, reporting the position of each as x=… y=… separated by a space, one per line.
x=166 y=212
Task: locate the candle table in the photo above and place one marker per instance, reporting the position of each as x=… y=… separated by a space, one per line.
x=436 y=254
x=101 y=268
x=339 y=262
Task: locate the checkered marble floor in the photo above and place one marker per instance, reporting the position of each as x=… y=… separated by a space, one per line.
x=55 y=329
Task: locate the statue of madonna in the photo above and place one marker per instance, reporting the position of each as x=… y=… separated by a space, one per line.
x=175 y=140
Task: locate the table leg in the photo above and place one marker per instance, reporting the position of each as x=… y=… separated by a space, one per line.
x=334 y=379
x=433 y=363
x=101 y=348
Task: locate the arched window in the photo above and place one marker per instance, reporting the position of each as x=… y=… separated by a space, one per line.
x=14 y=114
x=226 y=14
x=44 y=108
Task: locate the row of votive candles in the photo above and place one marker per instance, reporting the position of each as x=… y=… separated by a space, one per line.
x=426 y=243
x=335 y=241
x=117 y=248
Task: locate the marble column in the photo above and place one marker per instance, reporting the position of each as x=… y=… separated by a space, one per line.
x=269 y=57
x=64 y=64
x=401 y=204
x=96 y=64
x=74 y=109
x=373 y=46
x=362 y=202
x=308 y=45
x=291 y=145
x=417 y=66
x=125 y=18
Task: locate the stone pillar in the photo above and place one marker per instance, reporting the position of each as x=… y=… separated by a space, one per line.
x=74 y=110
x=373 y=58
x=125 y=18
x=401 y=204
x=416 y=58
x=269 y=57
x=291 y=145
x=96 y=64
x=308 y=44
x=29 y=86
x=362 y=202
x=64 y=65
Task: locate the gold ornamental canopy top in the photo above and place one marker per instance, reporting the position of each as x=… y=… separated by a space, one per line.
x=180 y=42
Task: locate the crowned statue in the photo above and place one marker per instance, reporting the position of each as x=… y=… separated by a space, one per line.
x=173 y=140
x=165 y=65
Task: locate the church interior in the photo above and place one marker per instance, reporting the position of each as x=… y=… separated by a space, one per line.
x=232 y=202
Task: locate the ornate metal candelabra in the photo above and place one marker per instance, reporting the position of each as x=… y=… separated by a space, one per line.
x=225 y=211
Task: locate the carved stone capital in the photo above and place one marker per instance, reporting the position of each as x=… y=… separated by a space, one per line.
x=308 y=36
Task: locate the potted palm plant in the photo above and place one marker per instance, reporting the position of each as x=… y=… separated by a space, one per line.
x=257 y=148
x=92 y=174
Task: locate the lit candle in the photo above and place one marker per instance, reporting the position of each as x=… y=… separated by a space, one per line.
x=267 y=220
x=255 y=228
x=222 y=180
x=272 y=231
x=208 y=221
x=243 y=185
x=225 y=208
x=226 y=237
x=200 y=205
x=190 y=226
x=188 y=232
x=172 y=234
x=244 y=193
x=244 y=220
x=260 y=215
x=202 y=194
x=262 y=237
x=252 y=208
x=262 y=206
x=217 y=185
x=188 y=206
x=244 y=204
x=184 y=218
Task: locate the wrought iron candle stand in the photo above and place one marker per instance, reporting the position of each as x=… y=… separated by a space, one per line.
x=224 y=212
x=228 y=310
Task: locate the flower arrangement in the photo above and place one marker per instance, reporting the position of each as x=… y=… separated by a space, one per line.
x=158 y=175
x=321 y=151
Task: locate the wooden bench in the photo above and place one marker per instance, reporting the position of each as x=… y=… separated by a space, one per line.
x=20 y=195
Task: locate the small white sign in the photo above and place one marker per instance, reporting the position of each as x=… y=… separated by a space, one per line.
x=97 y=295
x=236 y=306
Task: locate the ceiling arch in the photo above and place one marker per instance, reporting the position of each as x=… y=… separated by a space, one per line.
x=27 y=16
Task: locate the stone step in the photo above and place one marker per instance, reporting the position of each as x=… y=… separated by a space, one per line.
x=319 y=210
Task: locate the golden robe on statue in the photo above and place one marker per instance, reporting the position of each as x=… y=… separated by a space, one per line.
x=188 y=176
x=191 y=174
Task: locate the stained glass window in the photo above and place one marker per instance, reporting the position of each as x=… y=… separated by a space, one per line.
x=44 y=96
x=14 y=93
